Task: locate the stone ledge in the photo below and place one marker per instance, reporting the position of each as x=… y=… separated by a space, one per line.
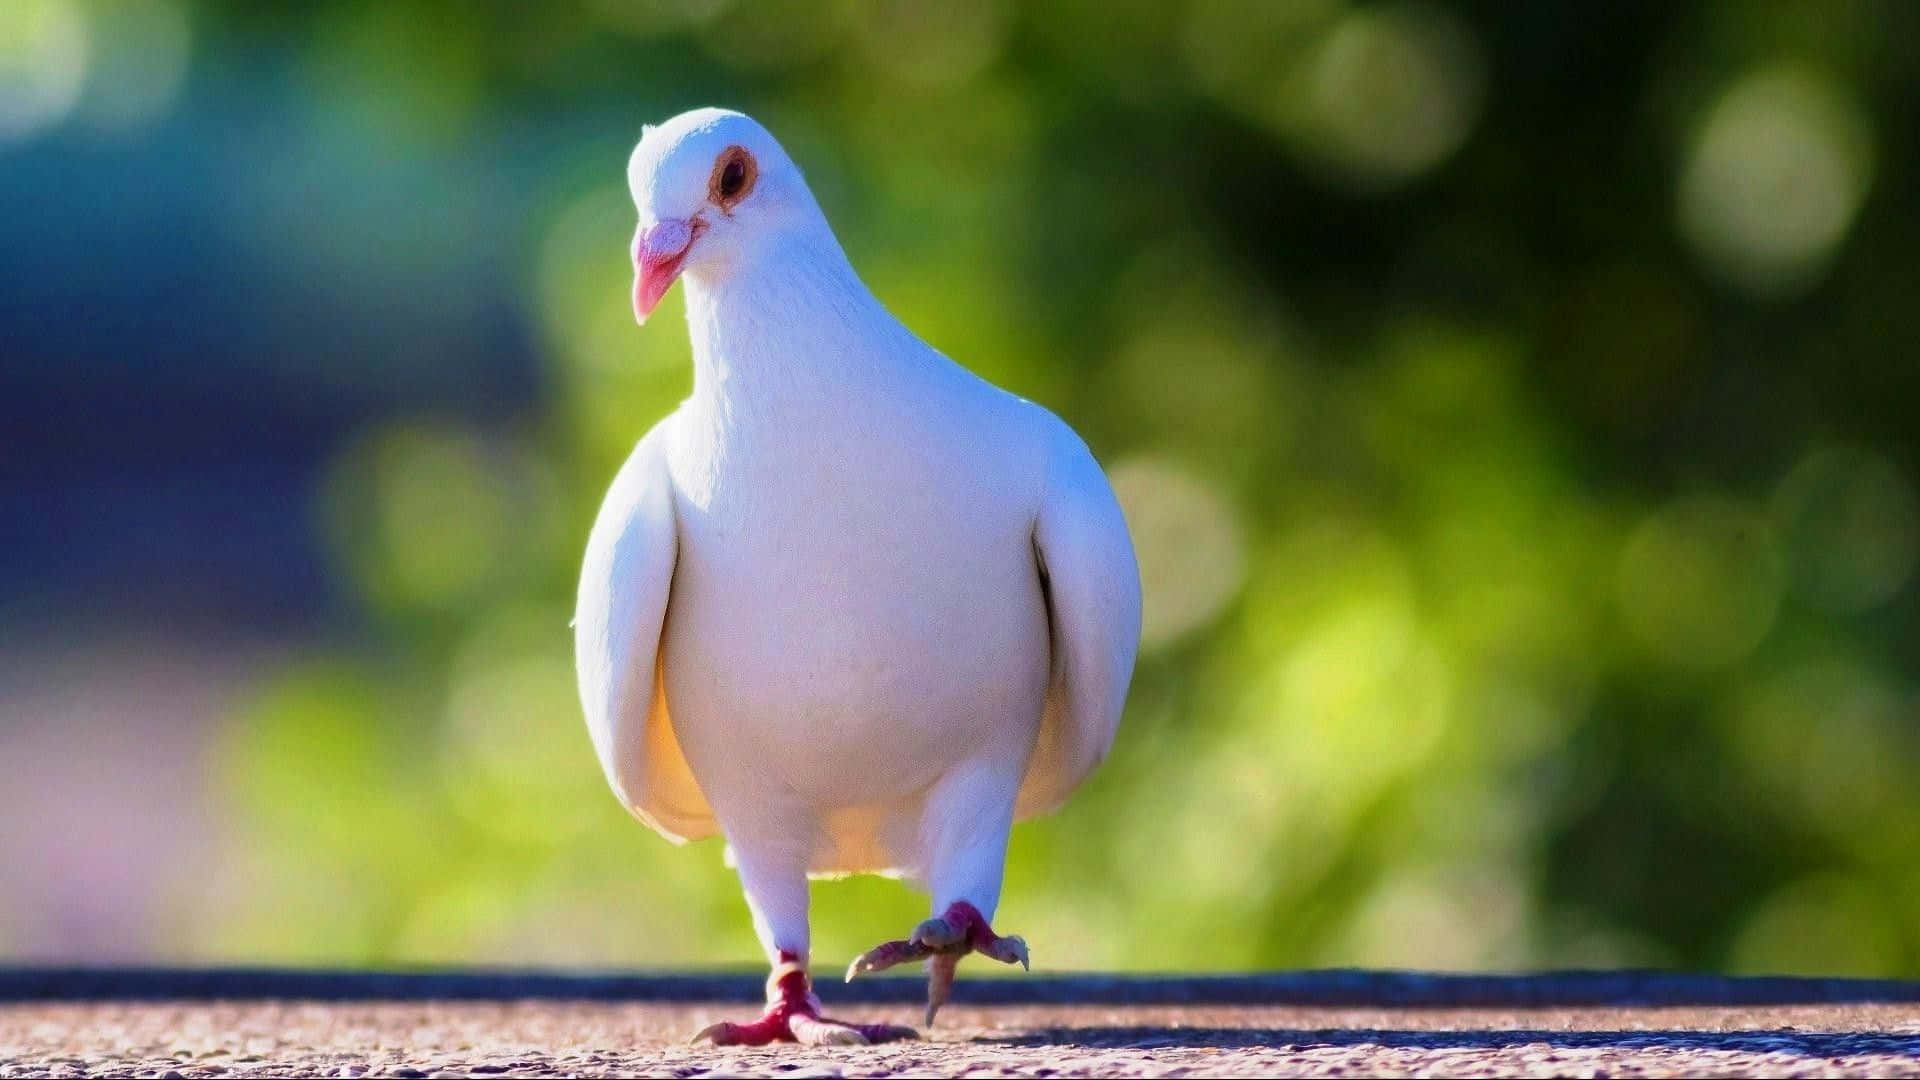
x=1325 y=987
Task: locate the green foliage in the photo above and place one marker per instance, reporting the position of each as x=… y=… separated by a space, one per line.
x=1514 y=417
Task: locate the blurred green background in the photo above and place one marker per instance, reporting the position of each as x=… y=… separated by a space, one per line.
x=1513 y=405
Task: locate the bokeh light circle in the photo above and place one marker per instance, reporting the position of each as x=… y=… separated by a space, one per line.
x=1774 y=178
x=1392 y=91
x=1187 y=539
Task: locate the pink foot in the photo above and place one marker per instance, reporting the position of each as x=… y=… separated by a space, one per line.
x=945 y=940
x=793 y=1015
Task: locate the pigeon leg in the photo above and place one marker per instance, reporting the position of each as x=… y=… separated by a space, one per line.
x=968 y=851
x=776 y=889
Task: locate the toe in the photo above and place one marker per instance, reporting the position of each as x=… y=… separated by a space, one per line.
x=813 y=1031
x=871 y=960
x=940 y=971
x=717 y=1034
x=770 y=1028
x=1008 y=950
x=759 y=1033
x=881 y=957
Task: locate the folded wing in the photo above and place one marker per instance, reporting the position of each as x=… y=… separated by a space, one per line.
x=625 y=583
x=1092 y=584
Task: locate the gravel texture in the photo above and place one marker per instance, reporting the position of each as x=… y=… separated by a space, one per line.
x=233 y=1024
x=555 y=1038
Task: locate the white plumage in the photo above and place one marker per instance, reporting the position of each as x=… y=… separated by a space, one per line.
x=849 y=604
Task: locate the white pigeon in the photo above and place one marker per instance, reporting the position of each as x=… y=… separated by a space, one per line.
x=849 y=604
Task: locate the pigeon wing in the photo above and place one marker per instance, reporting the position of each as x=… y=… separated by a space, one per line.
x=624 y=585
x=1092 y=587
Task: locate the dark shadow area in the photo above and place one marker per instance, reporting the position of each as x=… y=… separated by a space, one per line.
x=1383 y=989
x=1810 y=1044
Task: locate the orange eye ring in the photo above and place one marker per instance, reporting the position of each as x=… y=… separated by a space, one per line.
x=734 y=174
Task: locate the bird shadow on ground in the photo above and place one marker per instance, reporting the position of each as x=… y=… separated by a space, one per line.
x=1813 y=1044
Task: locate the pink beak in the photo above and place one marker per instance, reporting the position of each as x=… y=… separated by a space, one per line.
x=657 y=256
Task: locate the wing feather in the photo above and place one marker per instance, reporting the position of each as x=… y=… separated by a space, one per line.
x=625 y=582
x=1092 y=585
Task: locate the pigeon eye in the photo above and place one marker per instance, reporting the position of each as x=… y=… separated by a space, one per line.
x=733 y=176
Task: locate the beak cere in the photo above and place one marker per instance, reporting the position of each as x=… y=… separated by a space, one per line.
x=657 y=255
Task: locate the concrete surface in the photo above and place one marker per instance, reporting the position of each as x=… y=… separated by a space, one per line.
x=238 y=1024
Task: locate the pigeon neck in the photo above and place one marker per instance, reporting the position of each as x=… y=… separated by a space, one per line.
x=797 y=318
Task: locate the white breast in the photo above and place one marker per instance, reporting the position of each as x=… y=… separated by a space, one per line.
x=857 y=605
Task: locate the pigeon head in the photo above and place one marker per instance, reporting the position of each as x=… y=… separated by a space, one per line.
x=712 y=188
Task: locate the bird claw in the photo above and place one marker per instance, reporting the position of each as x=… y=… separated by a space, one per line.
x=933 y=937
x=885 y=955
x=1008 y=950
x=711 y=1033
x=793 y=1015
x=945 y=939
